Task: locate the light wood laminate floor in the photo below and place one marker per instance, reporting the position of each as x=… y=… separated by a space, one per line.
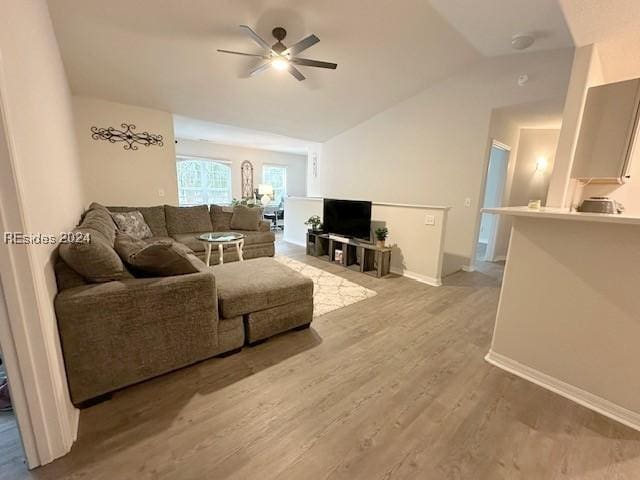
x=11 y=454
x=394 y=387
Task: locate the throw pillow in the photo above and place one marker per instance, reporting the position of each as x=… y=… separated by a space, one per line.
x=221 y=218
x=127 y=245
x=187 y=219
x=163 y=258
x=132 y=223
x=98 y=218
x=95 y=260
x=245 y=218
x=153 y=216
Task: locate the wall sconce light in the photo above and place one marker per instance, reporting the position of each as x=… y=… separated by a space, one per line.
x=541 y=164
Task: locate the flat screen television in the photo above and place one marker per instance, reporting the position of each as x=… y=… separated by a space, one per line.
x=348 y=218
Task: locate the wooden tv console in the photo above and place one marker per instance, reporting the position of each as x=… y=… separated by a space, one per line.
x=363 y=257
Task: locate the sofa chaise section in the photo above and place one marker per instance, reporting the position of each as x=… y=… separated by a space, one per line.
x=119 y=333
x=271 y=297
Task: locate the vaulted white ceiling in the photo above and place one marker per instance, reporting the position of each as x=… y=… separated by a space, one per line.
x=614 y=25
x=489 y=25
x=194 y=129
x=162 y=54
x=542 y=114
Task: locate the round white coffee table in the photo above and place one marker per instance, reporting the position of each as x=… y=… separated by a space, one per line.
x=221 y=239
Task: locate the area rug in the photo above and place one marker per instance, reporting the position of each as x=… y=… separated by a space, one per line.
x=330 y=292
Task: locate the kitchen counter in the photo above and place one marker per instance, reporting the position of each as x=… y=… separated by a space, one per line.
x=569 y=312
x=564 y=214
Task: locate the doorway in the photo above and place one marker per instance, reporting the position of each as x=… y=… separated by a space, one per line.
x=494 y=189
x=17 y=435
x=12 y=458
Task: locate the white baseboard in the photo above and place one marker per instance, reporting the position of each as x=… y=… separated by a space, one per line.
x=468 y=268
x=418 y=277
x=500 y=258
x=289 y=240
x=582 y=397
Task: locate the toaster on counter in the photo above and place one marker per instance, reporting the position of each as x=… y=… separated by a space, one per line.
x=600 y=205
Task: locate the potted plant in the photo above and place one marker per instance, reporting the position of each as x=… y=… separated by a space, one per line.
x=248 y=202
x=381 y=235
x=314 y=222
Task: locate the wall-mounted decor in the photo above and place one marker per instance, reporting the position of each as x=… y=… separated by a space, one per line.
x=127 y=135
x=314 y=159
x=247 y=179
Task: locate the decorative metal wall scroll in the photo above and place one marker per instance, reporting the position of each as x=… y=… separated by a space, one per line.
x=127 y=135
x=247 y=179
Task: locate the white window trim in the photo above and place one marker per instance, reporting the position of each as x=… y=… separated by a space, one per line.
x=180 y=158
x=221 y=161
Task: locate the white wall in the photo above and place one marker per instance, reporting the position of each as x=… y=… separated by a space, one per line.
x=529 y=184
x=432 y=148
x=586 y=71
x=114 y=176
x=41 y=192
x=417 y=248
x=568 y=312
x=506 y=131
x=523 y=182
x=296 y=164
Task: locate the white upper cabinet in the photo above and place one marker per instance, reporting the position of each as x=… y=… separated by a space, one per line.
x=609 y=125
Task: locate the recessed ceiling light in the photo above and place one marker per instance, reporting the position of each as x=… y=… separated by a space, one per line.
x=522 y=41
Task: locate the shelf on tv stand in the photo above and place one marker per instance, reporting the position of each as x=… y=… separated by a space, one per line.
x=367 y=257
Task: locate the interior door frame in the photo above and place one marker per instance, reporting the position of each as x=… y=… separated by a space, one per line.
x=493 y=234
x=46 y=431
x=490 y=253
x=10 y=353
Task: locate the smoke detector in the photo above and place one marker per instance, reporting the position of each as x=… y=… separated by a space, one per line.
x=523 y=79
x=522 y=41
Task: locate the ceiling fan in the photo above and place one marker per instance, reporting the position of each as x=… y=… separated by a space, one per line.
x=279 y=56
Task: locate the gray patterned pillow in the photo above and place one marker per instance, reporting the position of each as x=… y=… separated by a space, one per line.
x=132 y=223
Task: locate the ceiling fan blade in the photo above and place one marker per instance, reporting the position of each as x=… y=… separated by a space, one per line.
x=255 y=37
x=303 y=44
x=245 y=54
x=296 y=73
x=313 y=63
x=259 y=69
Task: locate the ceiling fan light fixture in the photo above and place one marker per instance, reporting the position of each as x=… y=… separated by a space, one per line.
x=279 y=63
x=279 y=56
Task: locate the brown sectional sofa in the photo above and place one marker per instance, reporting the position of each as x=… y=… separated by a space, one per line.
x=115 y=333
x=184 y=224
